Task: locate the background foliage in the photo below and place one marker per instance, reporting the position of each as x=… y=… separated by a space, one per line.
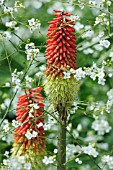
x=92 y=98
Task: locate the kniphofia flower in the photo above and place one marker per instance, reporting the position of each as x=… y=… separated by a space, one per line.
x=61 y=56
x=29 y=137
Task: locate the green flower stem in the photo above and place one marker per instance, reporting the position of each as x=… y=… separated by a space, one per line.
x=61 y=160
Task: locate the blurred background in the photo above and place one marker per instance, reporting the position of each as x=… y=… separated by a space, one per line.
x=92 y=98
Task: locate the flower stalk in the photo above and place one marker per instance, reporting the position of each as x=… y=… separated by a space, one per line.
x=29 y=136
x=61 y=57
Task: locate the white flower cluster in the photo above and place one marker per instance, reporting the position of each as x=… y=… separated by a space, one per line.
x=41 y=71
x=28 y=81
x=78 y=26
x=105 y=43
x=98 y=106
x=90 y=150
x=1 y=2
x=101 y=34
x=88 y=51
x=17 y=163
x=99 y=3
x=15 y=77
x=74 y=108
x=6 y=35
x=75 y=18
x=94 y=72
x=5 y=104
x=76 y=131
x=48 y=160
x=16 y=123
x=17 y=5
x=10 y=10
x=6 y=154
x=108 y=160
x=5 y=134
x=34 y=24
x=101 y=19
x=5 y=126
x=30 y=135
x=88 y=33
x=11 y=24
x=50 y=123
x=31 y=51
x=32 y=108
x=71 y=150
x=110 y=100
x=101 y=126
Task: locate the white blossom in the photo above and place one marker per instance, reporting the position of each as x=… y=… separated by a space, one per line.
x=101 y=81
x=31 y=51
x=1 y=2
x=27 y=166
x=39 y=74
x=105 y=43
x=16 y=123
x=8 y=10
x=6 y=35
x=40 y=125
x=18 y=163
x=21 y=159
x=75 y=134
x=6 y=127
x=5 y=162
x=34 y=24
x=108 y=3
x=75 y=18
x=43 y=68
x=79 y=74
x=34 y=134
x=78 y=26
x=7 y=84
x=101 y=34
x=98 y=47
x=30 y=135
x=78 y=161
x=48 y=160
x=71 y=150
x=110 y=100
x=90 y=150
x=101 y=126
x=79 y=127
x=100 y=19
x=6 y=154
x=88 y=51
x=108 y=160
x=66 y=75
x=110 y=94
x=109 y=105
x=11 y=24
x=55 y=151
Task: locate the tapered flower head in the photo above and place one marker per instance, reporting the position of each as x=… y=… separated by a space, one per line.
x=30 y=134
x=61 y=57
x=61 y=44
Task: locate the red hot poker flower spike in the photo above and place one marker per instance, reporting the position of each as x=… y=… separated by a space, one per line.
x=29 y=112
x=61 y=44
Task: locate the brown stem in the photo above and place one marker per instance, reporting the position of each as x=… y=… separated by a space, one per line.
x=61 y=162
